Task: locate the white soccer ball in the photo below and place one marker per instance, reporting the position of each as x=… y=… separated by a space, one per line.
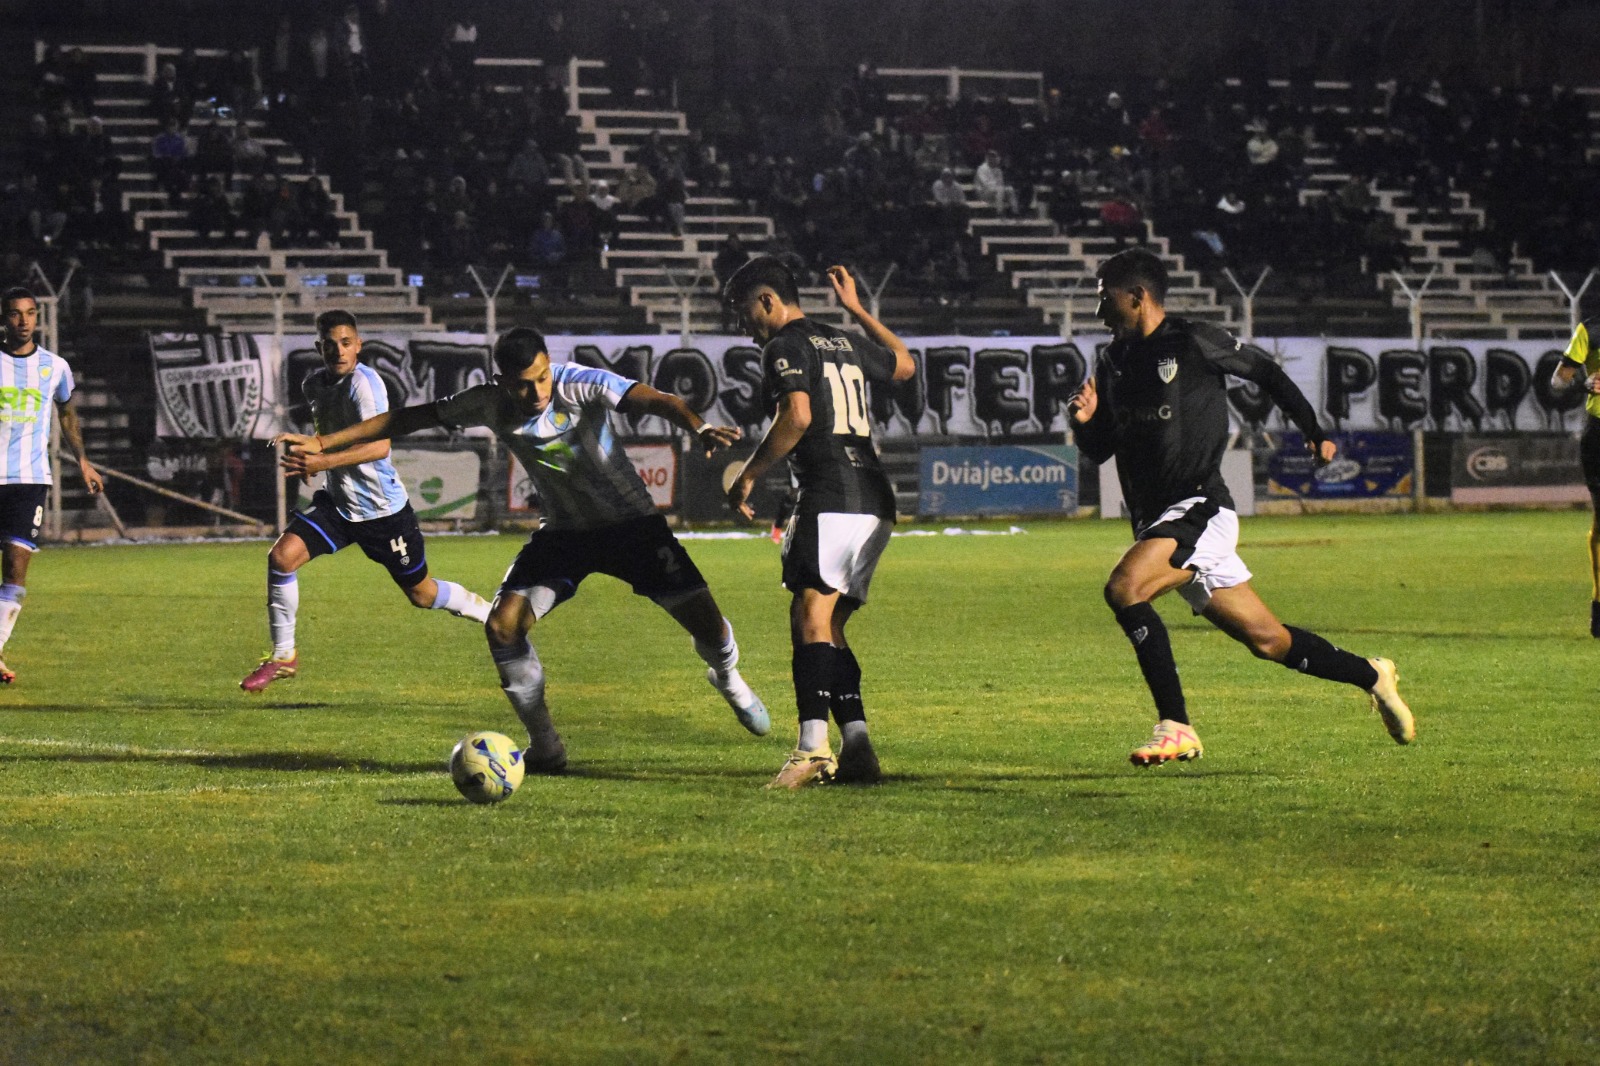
x=486 y=767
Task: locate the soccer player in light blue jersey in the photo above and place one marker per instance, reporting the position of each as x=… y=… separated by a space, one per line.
x=598 y=516
x=363 y=503
x=33 y=381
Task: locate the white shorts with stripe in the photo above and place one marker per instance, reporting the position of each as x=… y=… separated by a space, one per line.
x=833 y=552
x=1208 y=543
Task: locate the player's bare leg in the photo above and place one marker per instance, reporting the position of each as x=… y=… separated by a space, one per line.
x=511 y=616
x=14 y=559
x=1239 y=612
x=1144 y=573
x=699 y=614
x=289 y=553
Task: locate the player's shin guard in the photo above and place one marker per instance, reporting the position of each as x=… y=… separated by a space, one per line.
x=1148 y=634
x=522 y=680
x=11 y=597
x=815 y=667
x=283 y=603
x=460 y=601
x=1311 y=654
x=720 y=657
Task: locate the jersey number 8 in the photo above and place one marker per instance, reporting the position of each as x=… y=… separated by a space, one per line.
x=849 y=388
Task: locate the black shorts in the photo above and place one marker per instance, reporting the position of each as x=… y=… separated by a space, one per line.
x=22 y=513
x=1589 y=450
x=643 y=552
x=394 y=541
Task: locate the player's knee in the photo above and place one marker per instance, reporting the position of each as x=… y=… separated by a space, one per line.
x=1120 y=592
x=1271 y=644
x=503 y=628
x=278 y=558
x=419 y=598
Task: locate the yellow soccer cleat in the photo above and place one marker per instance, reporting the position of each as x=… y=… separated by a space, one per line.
x=802 y=768
x=1387 y=702
x=1172 y=740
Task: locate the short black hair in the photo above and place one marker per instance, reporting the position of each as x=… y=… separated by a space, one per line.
x=329 y=320
x=16 y=292
x=517 y=349
x=1135 y=267
x=764 y=271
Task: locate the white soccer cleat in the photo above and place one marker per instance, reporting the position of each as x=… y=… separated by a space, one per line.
x=747 y=706
x=1386 y=701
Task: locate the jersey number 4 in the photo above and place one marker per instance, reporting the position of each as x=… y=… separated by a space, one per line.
x=849 y=388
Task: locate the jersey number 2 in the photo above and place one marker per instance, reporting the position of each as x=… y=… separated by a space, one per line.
x=849 y=388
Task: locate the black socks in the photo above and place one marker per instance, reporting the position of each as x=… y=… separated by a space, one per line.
x=1148 y=635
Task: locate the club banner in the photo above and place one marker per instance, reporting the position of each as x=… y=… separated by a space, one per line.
x=999 y=480
x=1526 y=469
x=1368 y=465
x=993 y=387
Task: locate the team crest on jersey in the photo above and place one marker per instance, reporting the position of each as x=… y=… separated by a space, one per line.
x=561 y=421
x=1167 y=369
x=44 y=371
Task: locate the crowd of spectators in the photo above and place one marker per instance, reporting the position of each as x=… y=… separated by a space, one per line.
x=452 y=170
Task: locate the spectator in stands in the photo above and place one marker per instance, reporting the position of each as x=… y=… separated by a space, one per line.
x=459 y=248
x=1067 y=209
x=250 y=155
x=606 y=205
x=989 y=181
x=169 y=156
x=1122 y=219
x=349 y=44
x=731 y=255
x=637 y=190
x=547 y=251
x=169 y=99
x=33 y=214
x=96 y=218
x=673 y=193
x=213 y=152
x=315 y=215
x=528 y=166
x=211 y=212
x=96 y=154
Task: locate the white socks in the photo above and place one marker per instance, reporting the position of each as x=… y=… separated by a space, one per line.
x=460 y=601
x=813 y=734
x=721 y=659
x=283 y=603
x=11 y=597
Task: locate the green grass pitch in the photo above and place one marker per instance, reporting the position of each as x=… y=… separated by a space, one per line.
x=189 y=874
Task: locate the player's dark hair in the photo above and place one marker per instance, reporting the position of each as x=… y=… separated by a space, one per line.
x=516 y=350
x=16 y=292
x=1135 y=268
x=329 y=320
x=764 y=271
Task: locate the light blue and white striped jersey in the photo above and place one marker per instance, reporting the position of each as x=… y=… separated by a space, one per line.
x=367 y=490
x=578 y=465
x=30 y=387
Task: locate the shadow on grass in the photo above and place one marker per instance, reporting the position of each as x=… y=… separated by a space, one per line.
x=418 y=801
x=287 y=761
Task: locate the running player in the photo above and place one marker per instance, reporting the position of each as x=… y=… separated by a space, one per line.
x=31 y=380
x=1582 y=362
x=598 y=516
x=815 y=377
x=363 y=504
x=1158 y=403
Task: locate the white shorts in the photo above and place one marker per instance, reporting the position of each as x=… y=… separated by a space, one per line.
x=833 y=552
x=1208 y=543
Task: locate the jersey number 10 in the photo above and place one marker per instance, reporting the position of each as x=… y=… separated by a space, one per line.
x=849 y=388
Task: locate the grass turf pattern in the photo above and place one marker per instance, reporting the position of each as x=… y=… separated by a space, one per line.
x=191 y=874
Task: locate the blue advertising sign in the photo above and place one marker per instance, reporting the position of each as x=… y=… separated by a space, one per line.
x=999 y=480
x=1368 y=465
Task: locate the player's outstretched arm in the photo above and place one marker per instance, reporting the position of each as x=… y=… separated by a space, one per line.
x=791 y=423
x=72 y=433
x=379 y=427
x=1250 y=363
x=643 y=399
x=844 y=286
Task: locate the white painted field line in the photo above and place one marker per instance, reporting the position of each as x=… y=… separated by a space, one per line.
x=100 y=747
x=198 y=790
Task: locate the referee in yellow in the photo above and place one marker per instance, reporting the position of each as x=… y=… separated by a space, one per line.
x=1583 y=360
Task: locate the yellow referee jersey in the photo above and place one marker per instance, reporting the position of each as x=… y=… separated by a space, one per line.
x=1583 y=352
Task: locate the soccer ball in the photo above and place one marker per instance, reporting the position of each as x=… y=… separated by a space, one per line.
x=486 y=767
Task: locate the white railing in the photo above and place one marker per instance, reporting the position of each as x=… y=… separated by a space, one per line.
x=1018 y=86
x=150 y=56
x=574 y=67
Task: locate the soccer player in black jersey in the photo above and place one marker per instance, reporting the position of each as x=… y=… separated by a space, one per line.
x=814 y=378
x=1157 y=401
x=1580 y=366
